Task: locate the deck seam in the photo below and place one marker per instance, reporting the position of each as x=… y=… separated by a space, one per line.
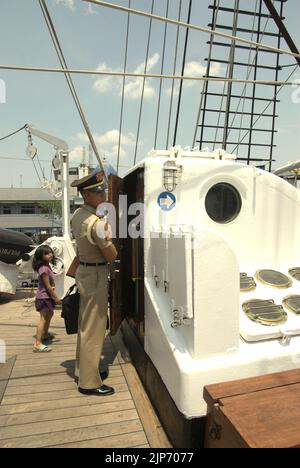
x=71 y=429
x=96 y=438
x=5 y=381
x=57 y=419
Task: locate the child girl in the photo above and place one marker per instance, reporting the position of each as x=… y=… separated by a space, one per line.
x=46 y=299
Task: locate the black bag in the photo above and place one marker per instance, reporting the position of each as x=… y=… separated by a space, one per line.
x=70 y=310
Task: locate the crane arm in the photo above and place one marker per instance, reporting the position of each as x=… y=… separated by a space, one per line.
x=56 y=142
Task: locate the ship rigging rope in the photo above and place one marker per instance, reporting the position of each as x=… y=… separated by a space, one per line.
x=143 y=88
x=248 y=73
x=37 y=172
x=148 y=75
x=223 y=93
x=162 y=70
x=13 y=133
x=249 y=69
x=230 y=69
x=70 y=83
x=205 y=84
x=174 y=72
x=194 y=27
x=182 y=72
x=265 y=109
x=123 y=90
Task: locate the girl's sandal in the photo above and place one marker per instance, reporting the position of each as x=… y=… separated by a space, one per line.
x=42 y=349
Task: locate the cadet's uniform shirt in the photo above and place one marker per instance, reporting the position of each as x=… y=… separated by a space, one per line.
x=92 y=285
x=84 y=227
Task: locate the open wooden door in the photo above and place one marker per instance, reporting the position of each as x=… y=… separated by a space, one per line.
x=133 y=260
x=116 y=186
x=127 y=273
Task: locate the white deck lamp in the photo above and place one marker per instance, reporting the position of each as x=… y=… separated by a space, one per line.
x=170 y=175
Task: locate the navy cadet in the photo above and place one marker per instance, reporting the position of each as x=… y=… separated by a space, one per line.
x=94 y=252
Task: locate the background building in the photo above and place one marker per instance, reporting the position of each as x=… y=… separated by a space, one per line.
x=33 y=211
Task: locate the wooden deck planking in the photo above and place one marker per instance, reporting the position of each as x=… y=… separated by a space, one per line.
x=57 y=425
x=41 y=406
x=24 y=381
x=81 y=435
x=118 y=441
x=42 y=396
x=64 y=413
x=156 y=438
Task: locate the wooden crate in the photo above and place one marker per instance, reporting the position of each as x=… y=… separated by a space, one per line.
x=259 y=412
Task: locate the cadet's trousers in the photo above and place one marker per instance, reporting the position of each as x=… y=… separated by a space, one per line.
x=92 y=285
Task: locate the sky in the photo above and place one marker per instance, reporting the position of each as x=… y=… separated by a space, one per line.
x=93 y=37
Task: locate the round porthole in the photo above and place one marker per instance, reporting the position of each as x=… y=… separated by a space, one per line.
x=223 y=203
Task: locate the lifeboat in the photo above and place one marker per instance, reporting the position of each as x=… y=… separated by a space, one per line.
x=14 y=246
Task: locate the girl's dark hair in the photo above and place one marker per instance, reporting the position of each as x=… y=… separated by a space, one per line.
x=37 y=260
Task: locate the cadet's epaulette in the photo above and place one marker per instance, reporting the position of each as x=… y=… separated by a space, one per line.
x=94 y=219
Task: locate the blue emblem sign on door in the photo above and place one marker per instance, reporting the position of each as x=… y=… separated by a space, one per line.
x=166 y=201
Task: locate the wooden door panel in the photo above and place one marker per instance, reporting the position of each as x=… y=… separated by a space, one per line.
x=116 y=186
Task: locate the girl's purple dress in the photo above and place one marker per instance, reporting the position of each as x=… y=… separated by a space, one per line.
x=43 y=302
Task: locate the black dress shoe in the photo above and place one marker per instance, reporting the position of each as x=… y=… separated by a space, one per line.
x=102 y=391
x=103 y=375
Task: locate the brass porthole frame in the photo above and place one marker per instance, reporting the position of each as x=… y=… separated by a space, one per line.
x=286 y=285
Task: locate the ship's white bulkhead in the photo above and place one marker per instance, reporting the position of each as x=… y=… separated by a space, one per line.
x=196 y=332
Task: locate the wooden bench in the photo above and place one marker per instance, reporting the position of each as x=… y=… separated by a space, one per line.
x=259 y=412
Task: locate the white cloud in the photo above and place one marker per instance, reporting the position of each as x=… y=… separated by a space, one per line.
x=152 y=61
x=197 y=70
x=134 y=89
x=113 y=137
x=76 y=155
x=90 y=10
x=82 y=137
x=114 y=151
x=106 y=83
x=175 y=90
x=108 y=143
x=109 y=138
x=67 y=3
x=133 y=86
x=194 y=69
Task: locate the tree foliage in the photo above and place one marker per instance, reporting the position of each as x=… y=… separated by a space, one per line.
x=51 y=208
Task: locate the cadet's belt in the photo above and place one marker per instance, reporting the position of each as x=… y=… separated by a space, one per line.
x=92 y=264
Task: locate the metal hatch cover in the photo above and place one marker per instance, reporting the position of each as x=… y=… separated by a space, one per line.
x=295 y=273
x=247 y=283
x=273 y=278
x=265 y=312
x=292 y=303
